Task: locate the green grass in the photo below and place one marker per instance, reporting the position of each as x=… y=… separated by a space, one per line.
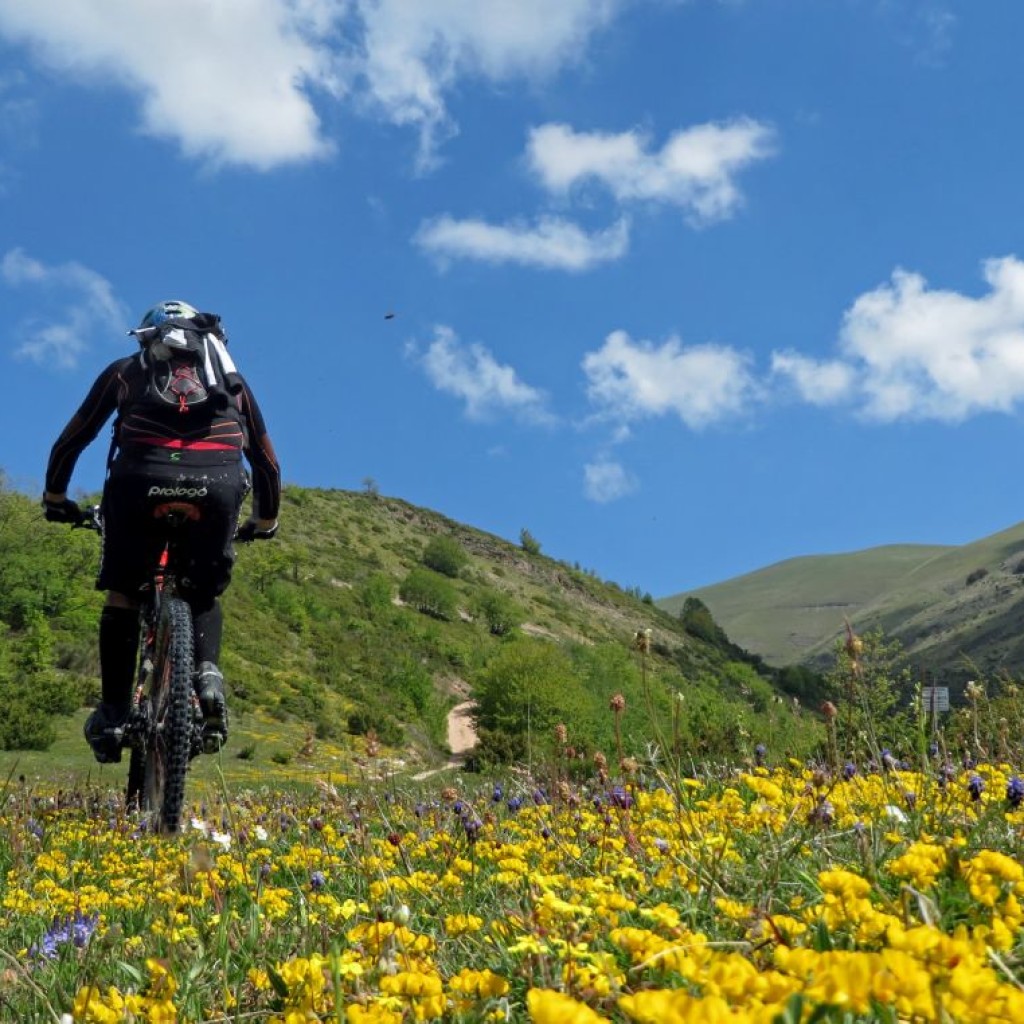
x=69 y=763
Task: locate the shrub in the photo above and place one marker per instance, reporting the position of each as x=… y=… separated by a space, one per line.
x=500 y=612
x=24 y=727
x=445 y=555
x=978 y=574
x=428 y=593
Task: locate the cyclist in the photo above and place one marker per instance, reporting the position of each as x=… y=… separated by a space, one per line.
x=179 y=434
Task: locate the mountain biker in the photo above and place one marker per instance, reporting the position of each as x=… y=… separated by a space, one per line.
x=170 y=441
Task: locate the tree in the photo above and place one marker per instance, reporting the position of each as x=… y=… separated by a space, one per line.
x=698 y=621
x=527 y=688
x=528 y=542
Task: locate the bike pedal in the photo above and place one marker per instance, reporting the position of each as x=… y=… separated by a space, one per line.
x=213 y=741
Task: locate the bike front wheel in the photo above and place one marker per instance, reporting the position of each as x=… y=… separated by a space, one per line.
x=157 y=771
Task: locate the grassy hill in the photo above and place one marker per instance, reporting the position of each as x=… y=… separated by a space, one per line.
x=340 y=629
x=958 y=611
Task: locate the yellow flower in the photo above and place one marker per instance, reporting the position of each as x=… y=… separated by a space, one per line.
x=549 y=1007
x=462 y=924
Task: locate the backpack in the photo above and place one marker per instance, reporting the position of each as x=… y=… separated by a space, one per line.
x=186 y=364
x=186 y=371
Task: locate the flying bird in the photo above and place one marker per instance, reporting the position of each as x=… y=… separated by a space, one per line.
x=389 y=316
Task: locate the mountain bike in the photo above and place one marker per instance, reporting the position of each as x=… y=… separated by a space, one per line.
x=164 y=727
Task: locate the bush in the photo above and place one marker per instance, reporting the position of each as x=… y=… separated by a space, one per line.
x=23 y=727
x=383 y=726
x=445 y=555
x=495 y=747
x=428 y=593
x=500 y=612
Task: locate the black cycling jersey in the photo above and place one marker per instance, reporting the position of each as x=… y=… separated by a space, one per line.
x=146 y=434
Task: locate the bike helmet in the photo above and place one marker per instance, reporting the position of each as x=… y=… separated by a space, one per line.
x=173 y=309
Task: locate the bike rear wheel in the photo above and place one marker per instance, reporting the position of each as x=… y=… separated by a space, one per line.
x=156 y=774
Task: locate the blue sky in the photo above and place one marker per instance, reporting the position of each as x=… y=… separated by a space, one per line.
x=682 y=288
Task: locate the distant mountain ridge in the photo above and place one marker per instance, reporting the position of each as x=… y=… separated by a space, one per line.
x=957 y=610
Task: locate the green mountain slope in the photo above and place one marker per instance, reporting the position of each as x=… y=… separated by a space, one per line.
x=956 y=610
x=341 y=625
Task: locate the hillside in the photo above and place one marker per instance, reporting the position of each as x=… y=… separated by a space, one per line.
x=956 y=610
x=341 y=625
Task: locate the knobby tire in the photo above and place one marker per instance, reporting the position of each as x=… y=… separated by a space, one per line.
x=158 y=773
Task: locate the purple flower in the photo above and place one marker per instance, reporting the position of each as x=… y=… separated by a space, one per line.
x=472 y=827
x=975 y=786
x=75 y=931
x=497 y=795
x=621 y=798
x=759 y=751
x=514 y=803
x=1015 y=791
x=317 y=881
x=849 y=770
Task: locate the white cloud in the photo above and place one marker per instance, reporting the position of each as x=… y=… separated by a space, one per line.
x=551 y=243
x=817 y=382
x=701 y=384
x=914 y=353
x=232 y=81
x=224 y=79
x=414 y=51
x=605 y=481
x=472 y=374
x=87 y=304
x=695 y=168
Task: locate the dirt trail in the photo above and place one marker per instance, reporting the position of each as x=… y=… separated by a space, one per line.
x=461 y=739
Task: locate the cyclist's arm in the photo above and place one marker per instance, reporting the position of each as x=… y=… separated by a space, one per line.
x=266 y=473
x=82 y=428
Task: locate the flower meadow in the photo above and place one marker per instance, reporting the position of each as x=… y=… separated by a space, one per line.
x=791 y=893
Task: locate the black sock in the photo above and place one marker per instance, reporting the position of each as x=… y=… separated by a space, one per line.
x=119 y=649
x=208 y=623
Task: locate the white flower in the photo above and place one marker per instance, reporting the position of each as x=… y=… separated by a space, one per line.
x=222 y=839
x=261 y=833
x=200 y=826
x=895 y=813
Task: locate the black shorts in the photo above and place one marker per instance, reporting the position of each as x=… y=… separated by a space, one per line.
x=133 y=536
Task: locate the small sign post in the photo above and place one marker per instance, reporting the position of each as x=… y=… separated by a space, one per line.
x=935 y=699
